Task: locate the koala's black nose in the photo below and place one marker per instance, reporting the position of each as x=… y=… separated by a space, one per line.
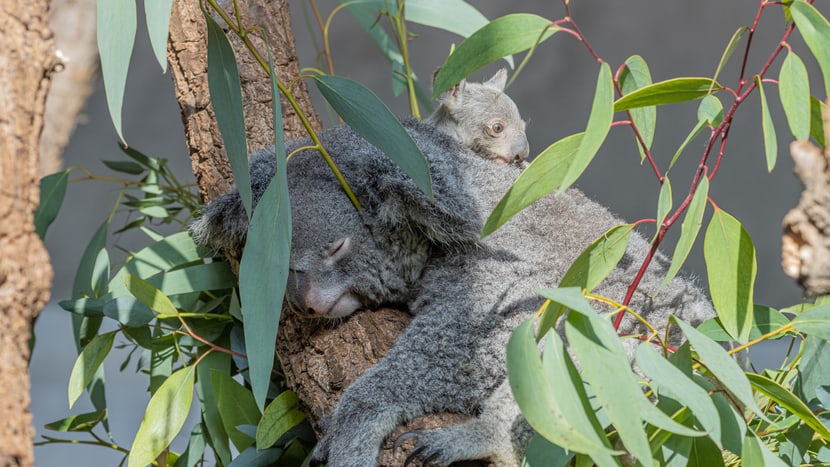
x=296 y=288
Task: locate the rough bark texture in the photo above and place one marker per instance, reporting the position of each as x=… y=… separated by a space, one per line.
x=73 y=22
x=319 y=362
x=187 y=53
x=27 y=57
x=806 y=242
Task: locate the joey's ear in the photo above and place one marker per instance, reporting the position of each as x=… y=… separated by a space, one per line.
x=453 y=95
x=498 y=80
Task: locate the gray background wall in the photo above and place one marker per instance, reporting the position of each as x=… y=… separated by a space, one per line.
x=554 y=93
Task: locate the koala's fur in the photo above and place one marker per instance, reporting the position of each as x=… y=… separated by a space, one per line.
x=466 y=294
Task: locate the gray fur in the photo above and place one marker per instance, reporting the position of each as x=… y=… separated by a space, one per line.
x=466 y=294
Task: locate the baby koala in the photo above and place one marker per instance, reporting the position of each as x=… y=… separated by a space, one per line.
x=483 y=118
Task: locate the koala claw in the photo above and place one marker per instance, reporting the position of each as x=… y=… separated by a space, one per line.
x=403 y=437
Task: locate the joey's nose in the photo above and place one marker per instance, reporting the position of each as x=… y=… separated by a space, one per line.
x=520 y=149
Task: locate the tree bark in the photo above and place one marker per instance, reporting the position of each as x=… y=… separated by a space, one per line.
x=806 y=242
x=319 y=362
x=27 y=58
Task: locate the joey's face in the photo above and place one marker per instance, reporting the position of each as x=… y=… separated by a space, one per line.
x=503 y=139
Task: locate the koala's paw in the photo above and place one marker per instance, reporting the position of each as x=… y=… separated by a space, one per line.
x=429 y=448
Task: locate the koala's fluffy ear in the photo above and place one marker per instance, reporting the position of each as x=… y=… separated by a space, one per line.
x=499 y=80
x=452 y=96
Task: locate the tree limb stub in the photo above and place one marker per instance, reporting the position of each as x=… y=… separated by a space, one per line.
x=805 y=250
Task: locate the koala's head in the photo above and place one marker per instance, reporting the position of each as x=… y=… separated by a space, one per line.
x=483 y=118
x=337 y=265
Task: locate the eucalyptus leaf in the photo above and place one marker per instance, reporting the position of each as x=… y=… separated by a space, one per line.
x=634 y=76
x=794 y=92
x=770 y=140
x=361 y=109
x=157 y=14
x=689 y=229
x=116 y=27
x=814 y=322
x=817 y=121
x=81 y=422
x=52 y=193
x=164 y=417
x=236 y=407
x=731 y=267
x=730 y=48
x=87 y=364
x=129 y=311
x=815 y=30
x=279 y=416
x=667 y=92
x=209 y=401
x=594 y=264
x=501 y=37
x=789 y=401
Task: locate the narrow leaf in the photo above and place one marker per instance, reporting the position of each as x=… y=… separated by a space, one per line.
x=455 y=16
x=636 y=75
x=667 y=92
x=208 y=401
x=195 y=450
x=163 y=418
x=116 y=36
x=80 y=422
x=149 y=295
x=817 y=121
x=698 y=128
x=236 y=407
x=765 y=321
x=226 y=97
x=606 y=368
x=814 y=322
x=127 y=167
x=157 y=13
x=544 y=175
x=677 y=385
x=664 y=201
x=370 y=118
x=266 y=255
x=688 y=230
x=730 y=49
x=722 y=366
x=501 y=37
x=789 y=401
x=599 y=123
x=533 y=389
x=281 y=415
x=87 y=364
x=731 y=267
x=52 y=192
x=598 y=260
x=755 y=452
x=770 y=140
x=794 y=92
x=129 y=311
x=815 y=30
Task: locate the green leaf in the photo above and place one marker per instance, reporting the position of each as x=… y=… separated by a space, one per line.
x=667 y=92
x=677 y=385
x=236 y=407
x=755 y=452
x=770 y=140
x=52 y=192
x=814 y=322
x=698 y=128
x=730 y=49
x=544 y=175
x=634 y=76
x=570 y=297
x=815 y=30
x=704 y=453
x=789 y=401
x=116 y=36
x=533 y=388
x=281 y=415
x=127 y=167
x=163 y=418
x=606 y=368
x=150 y=296
x=709 y=112
x=90 y=307
x=266 y=255
x=664 y=201
x=370 y=118
x=80 y=422
x=251 y=457
x=150 y=162
x=542 y=453
x=195 y=450
x=455 y=16
x=501 y=37
x=87 y=363
x=731 y=268
x=129 y=311
x=226 y=97
x=817 y=121
x=721 y=365
x=157 y=13
x=598 y=260
x=794 y=92
x=766 y=320
x=599 y=123
x=692 y=221
x=208 y=401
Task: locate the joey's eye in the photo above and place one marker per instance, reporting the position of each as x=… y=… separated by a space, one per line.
x=497 y=127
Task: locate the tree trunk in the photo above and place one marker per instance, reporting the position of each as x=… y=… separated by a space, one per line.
x=806 y=242
x=318 y=362
x=27 y=58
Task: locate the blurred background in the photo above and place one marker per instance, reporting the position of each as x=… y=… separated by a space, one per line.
x=554 y=93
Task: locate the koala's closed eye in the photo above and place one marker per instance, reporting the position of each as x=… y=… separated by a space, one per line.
x=338 y=248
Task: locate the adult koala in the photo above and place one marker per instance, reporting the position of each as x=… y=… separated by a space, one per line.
x=466 y=294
